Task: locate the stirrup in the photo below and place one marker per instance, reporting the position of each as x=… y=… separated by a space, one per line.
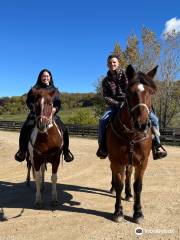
x=68 y=157
x=157 y=154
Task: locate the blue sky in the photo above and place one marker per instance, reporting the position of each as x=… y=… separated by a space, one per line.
x=71 y=38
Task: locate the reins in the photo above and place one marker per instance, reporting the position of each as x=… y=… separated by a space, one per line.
x=130 y=142
x=126 y=130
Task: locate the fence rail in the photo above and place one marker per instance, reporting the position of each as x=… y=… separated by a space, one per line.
x=168 y=136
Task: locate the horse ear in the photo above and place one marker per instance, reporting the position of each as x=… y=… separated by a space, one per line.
x=130 y=72
x=152 y=73
x=52 y=92
x=35 y=91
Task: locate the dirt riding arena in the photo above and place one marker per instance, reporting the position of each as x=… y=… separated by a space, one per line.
x=86 y=206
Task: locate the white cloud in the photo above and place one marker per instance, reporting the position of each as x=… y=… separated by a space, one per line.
x=172 y=25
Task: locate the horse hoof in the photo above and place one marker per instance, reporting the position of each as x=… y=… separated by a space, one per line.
x=54 y=203
x=138 y=218
x=112 y=190
x=118 y=218
x=129 y=199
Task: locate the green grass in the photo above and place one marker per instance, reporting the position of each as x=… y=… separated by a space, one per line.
x=64 y=115
x=18 y=117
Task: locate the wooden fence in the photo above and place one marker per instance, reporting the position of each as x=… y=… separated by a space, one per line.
x=168 y=136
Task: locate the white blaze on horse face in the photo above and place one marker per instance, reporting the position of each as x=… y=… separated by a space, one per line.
x=42 y=105
x=141 y=87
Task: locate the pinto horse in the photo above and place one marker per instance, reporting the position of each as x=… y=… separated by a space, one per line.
x=45 y=145
x=129 y=139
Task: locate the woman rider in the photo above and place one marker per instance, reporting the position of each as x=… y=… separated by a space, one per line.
x=44 y=81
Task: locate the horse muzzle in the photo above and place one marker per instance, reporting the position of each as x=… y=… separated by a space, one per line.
x=42 y=125
x=142 y=127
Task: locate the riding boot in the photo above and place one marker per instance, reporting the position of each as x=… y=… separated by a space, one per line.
x=102 y=150
x=68 y=156
x=24 y=140
x=158 y=150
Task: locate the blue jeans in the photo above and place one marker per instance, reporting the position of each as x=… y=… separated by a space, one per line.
x=103 y=123
x=111 y=113
x=155 y=124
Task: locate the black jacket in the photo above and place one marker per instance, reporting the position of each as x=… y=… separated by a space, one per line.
x=114 y=87
x=30 y=97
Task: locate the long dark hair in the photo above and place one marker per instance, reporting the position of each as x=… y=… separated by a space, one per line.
x=39 y=82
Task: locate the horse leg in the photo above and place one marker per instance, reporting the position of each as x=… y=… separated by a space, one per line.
x=43 y=168
x=38 y=179
x=112 y=189
x=138 y=214
x=119 y=183
x=28 y=178
x=54 y=181
x=128 y=194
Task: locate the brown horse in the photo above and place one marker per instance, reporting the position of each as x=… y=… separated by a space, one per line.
x=45 y=145
x=129 y=139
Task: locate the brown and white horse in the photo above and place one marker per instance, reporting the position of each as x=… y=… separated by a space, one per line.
x=129 y=139
x=45 y=145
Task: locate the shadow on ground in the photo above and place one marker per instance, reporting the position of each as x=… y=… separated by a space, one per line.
x=18 y=195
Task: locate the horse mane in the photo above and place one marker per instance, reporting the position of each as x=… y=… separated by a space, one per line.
x=44 y=92
x=146 y=80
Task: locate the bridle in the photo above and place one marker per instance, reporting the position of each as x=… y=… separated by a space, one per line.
x=137 y=136
x=48 y=121
x=140 y=104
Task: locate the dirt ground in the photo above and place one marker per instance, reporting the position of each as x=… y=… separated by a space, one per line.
x=86 y=206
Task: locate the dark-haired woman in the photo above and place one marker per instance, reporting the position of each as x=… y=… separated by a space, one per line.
x=44 y=81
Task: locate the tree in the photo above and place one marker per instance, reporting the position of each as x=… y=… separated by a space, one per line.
x=117 y=50
x=145 y=55
x=83 y=117
x=132 y=52
x=168 y=97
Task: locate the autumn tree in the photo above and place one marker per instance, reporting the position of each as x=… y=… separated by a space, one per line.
x=168 y=97
x=145 y=54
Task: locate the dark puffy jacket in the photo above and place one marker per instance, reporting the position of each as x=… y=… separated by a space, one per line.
x=56 y=100
x=114 y=88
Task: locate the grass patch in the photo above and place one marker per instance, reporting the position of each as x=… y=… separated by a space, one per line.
x=65 y=115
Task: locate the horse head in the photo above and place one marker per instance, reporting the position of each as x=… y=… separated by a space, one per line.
x=140 y=89
x=43 y=108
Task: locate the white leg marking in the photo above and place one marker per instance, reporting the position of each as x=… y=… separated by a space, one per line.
x=38 y=179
